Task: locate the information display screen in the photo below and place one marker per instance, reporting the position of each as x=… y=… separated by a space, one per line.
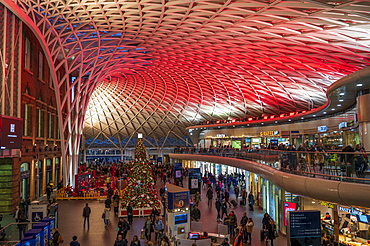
x=181 y=219
x=305 y=227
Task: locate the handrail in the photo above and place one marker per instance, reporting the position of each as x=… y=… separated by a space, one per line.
x=334 y=165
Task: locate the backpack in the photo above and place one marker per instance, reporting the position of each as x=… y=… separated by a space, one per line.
x=60 y=239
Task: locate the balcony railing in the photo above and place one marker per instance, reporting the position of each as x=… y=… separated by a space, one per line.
x=333 y=165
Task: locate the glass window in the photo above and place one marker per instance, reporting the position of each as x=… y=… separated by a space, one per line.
x=40 y=123
x=27 y=54
x=27 y=120
x=51 y=125
x=41 y=66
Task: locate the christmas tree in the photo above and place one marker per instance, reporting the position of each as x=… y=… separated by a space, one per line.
x=140 y=191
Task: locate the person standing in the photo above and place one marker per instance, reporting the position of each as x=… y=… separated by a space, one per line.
x=108 y=202
x=271 y=229
x=56 y=239
x=115 y=204
x=195 y=213
x=238 y=239
x=120 y=241
x=123 y=227
x=148 y=227
x=223 y=209
x=209 y=196
x=48 y=192
x=244 y=196
x=218 y=206
x=197 y=198
x=236 y=190
x=251 y=201
x=232 y=223
x=249 y=229
x=135 y=241
x=158 y=227
x=130 y=215
x=74 y=242
x=86 y=214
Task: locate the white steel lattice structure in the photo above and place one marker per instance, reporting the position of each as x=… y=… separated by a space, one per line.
x=171 y=63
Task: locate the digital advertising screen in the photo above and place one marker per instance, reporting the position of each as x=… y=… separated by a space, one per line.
x=11 y=131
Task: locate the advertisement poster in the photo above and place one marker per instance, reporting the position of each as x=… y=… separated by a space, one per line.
x=11 y=131
x=178 y=200
x=288 y=206
x=194 y=183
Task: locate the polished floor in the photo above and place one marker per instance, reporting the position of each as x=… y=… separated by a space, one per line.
x=71 y=223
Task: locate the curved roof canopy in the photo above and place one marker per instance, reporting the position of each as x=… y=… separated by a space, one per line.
x=157 y=66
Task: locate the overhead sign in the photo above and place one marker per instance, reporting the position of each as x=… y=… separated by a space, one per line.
x=11 y=131
x=322 y=128
x=269 y=133
x=343 y=125
x=305 y=227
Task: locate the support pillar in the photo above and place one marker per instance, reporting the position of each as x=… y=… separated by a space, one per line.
x=363 y=102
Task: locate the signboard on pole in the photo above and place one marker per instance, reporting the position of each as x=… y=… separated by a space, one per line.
x=194 y=180
x=304 y=227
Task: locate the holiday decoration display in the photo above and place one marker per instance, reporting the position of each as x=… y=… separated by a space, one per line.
x=140 y=191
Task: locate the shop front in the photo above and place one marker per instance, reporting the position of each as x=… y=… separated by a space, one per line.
x=354 y=226
x=25 y=180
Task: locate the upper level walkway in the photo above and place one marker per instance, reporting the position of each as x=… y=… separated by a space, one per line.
x=329 y=176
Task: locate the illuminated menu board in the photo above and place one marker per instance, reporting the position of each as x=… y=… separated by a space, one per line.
x=305 y=227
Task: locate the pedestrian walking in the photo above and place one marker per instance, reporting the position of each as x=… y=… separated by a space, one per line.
x=74 y=242
x=86 y=214
x=148 y=227
x=106 y=216
x=236 y=190
x=120 y=241
x=251 y=201
x=123 y=227
x=223 y=209
x=135 y=241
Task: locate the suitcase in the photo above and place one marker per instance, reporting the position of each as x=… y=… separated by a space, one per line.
x=262 y=235
x=234 y=203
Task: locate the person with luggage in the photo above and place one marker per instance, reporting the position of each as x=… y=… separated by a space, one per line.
x=238 y=239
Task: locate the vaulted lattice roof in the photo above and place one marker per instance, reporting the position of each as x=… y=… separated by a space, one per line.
x=161 y=65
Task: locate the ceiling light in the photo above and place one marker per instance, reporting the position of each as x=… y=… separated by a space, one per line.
x=262 y=123
x=275 y=121
x=359 y=84
x=333 y=109
x=314 y=115
x=339 y=105
x=340 y=100
x=248 y=125
x=342 y=94
x=290 y=120
x=302 y=118
x=324 y=113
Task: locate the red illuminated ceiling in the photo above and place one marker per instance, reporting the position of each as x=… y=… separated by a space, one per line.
x=163 y=65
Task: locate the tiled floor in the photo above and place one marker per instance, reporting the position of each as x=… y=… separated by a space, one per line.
x=71 y=223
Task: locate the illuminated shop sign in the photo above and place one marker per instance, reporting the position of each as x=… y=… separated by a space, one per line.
x=322 y=128
x=343 y=125
x=221 y=135
x=350 y=210
x=269 y=133
x=327 y=204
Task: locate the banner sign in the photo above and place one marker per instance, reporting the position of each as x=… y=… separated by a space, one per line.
x=177 y=200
